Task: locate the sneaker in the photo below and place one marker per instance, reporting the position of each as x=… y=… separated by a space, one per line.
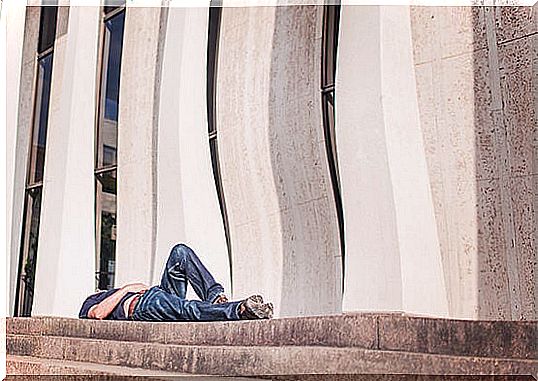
x=254 y=308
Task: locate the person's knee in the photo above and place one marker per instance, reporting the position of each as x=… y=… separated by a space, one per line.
x=181 y=250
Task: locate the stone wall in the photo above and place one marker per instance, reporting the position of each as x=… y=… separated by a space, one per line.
x=476 y=83
x=436 y=140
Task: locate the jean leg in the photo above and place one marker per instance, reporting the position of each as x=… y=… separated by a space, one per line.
x=159 y=305
x=184 y=265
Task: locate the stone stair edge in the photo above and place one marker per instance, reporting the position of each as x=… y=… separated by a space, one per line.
x=28 y=365
x=244 y=360
x=369 y=314
x=503 y=339
x=100 y=341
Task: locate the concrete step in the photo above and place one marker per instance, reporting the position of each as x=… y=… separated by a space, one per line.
x=27 y=365
x=388 y=332
x=259 y=360
x=30 y=368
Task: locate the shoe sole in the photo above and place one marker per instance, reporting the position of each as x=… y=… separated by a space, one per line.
x=255 y=306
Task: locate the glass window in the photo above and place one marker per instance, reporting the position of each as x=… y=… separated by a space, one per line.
x=215 y=12
x=107 y=146
x=27 y=262
x=47 y=28
x=106 y=229
x=108 y=126
x=39 y=134
x=331 y=21
x=112 y=5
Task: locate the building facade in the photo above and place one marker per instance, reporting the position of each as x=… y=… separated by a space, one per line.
x=333 y=158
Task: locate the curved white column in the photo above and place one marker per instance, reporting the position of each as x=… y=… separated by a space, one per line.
x=393 y=259
x=187 y=205
x=282 y=214
x=65 y=269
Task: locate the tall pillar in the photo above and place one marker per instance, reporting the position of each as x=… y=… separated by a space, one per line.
x=66 y=258
x=187 y=206
x=282 y=214
x=19 y=83
x=139 y=101
x=393 y=259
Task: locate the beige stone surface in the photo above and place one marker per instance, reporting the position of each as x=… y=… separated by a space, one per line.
x=518 y=78
x=373 y=271
x=137 y=137
x=515 y=22
x=186 y=200
x=477 y=109
x=373 y=331
x=261 y=360
x=283 y=226
x=64 y=278
x=18 y=123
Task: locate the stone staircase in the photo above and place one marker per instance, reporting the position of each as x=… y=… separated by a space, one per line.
x=288 y=348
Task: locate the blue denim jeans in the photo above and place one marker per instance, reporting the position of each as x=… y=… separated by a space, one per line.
x=167 y=302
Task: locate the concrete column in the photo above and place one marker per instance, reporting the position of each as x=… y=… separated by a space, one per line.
x=393 y=260
x=66 y=257
x=476 y=83
x=423 y=285
x=282 y=214
x=23 y=131
x=137 y=144
x=14 y=20
x=373 y=271
x=187 y=205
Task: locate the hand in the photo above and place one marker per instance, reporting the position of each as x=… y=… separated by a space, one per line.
x=136 y=287
x=222 y=298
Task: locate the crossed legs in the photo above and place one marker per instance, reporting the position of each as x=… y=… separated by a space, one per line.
x=167 y=302
x=184 y=266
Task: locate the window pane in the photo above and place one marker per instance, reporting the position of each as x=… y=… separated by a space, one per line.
x=106 y=229
x=108 y=126
x=47 y=28
x=330 y=133
x=29 y=252
x=330 y=38
x=212 y=54
x=39 y=134
x=107 y=181
x=111 y=5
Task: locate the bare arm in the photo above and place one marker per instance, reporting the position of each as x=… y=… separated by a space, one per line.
x=102 y=310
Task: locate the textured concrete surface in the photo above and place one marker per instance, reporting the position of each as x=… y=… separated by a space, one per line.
x=283 y=225
x=187 y=204
x=476 y=83
x=14 y=18
x=256 y=360
x=390 y=221
x=25 y=365
x=63 y=279
x=137 y=142
x=22 y=129
x=392 y=332
x=475 y=71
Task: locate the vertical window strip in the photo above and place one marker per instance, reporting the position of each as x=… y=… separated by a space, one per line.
x=215 y=13
x=331 y=21
x=113 y=19
x=24 y=291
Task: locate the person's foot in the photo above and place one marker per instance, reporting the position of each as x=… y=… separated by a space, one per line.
x=222 y=298
x=253 y=307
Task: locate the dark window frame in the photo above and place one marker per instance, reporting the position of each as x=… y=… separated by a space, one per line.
x=331 y=22
x=215 y=15
x=104 y=278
